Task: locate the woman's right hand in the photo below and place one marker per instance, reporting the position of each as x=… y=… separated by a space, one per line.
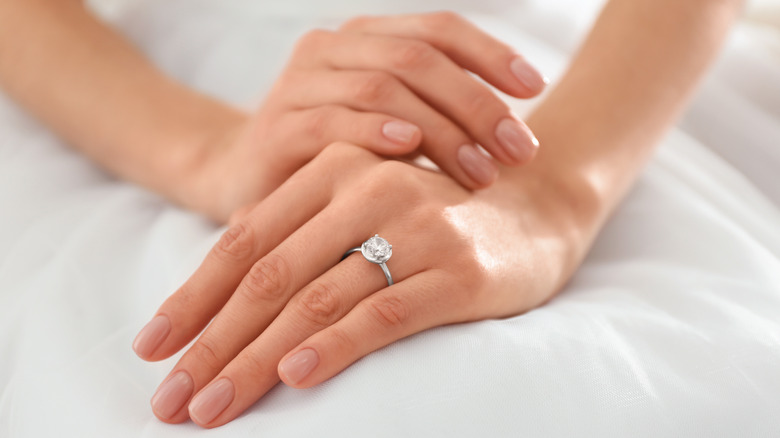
x=394 y=85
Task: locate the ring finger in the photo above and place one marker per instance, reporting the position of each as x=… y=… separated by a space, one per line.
x=320 y=304
x=259 y=298
x=303 y=197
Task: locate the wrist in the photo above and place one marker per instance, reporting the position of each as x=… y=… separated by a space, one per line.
x=568 y=190
x=564 y=199
x=560 y=205
x=190 y=165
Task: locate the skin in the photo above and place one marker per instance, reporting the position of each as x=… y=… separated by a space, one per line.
x=274 y=285
x=362 y=83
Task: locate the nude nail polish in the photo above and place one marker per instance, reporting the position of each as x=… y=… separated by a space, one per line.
x=400 y=132
x=172 y=394
x=151 y=336
x=516 y=139
x=527 y=74
x=477 y=165
x=299 y=365
x=210 y=402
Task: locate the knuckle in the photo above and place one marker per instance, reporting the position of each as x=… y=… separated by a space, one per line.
x=339 y=163
x=396 y=174
x=251 y=365
x=338 y=149
x=405 y=182
x=312 y=40
x=389 y=311
x=337 y=154
x=484 y=102
x=319 y=305
x=441 y=20
x=266 y=279
x=357 y=22
x=317 y=122
x=237 y=243
x=206 y=354
x=255 y=366
x=447 y=132
x=413 y=55
x=390 y=170
x=289 y=79
x=376 y=87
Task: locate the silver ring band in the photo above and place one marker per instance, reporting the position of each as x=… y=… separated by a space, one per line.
x=376 y=250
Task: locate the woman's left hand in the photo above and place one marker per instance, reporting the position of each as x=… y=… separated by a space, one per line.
x=285 y=307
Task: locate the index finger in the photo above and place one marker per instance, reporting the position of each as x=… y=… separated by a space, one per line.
x=464 y=43
x=187 y=311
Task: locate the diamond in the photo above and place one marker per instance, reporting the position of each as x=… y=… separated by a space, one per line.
x=376 y=250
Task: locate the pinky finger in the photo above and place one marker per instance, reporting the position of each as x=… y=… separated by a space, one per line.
x=391 y=314
x=379 y=133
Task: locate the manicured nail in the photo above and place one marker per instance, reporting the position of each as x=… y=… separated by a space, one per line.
x=479 y=167
x=151 y=336
x=207 y=405
x=400 y=132
x=172 y=394
x=299 y=365
x=518 y=141
x=527 y=74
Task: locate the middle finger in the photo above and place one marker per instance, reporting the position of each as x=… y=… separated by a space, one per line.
x=383 y=93
x=259 y=298
x=321 y=303
x=435 y=78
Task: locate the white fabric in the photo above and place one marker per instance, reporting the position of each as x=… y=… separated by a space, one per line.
x=670 y=328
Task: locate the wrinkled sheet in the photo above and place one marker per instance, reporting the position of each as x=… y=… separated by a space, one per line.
x=670 y=328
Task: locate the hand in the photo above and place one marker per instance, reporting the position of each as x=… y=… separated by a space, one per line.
x=285 y=307
x=391 y=84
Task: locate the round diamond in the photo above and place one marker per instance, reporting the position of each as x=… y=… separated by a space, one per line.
x=376 y=250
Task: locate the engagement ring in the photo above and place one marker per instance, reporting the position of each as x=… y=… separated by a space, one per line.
x=376 y=250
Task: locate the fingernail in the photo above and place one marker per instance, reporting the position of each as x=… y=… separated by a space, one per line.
x=400 y=132
x=205 y=407
x=299 y=365
x=518 y=141
x=172 y=394
x=477 y=165
x=151 y=336
x=527 y=74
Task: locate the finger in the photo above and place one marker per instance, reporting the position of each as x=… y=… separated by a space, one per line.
x=253 y=372
x=380 y=92
x=262 y=294
x=187 y=311
x=270 y=281
x=401 y=310
x=238 y=215
x=463 y=42
x=435 y=78
x=324 y=124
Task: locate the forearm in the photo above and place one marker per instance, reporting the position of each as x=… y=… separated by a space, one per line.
x=630 y=81
x=98 y=93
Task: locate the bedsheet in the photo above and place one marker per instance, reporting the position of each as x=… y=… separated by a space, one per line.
x=670 y=328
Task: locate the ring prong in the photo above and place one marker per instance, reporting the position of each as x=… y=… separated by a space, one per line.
x=376 y=250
